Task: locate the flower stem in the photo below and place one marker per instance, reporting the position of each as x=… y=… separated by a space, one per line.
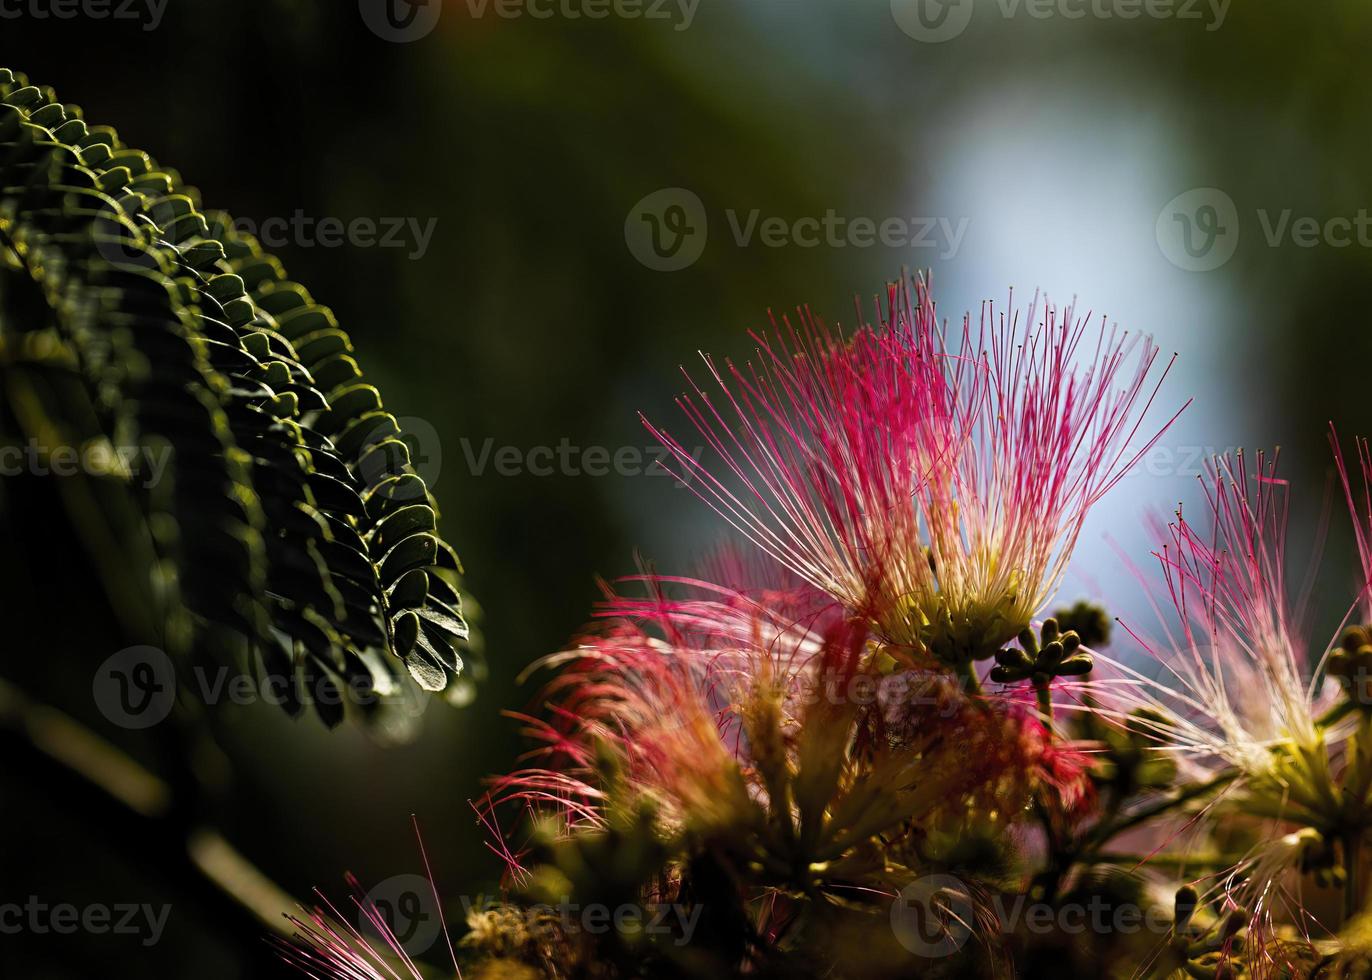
x=1164 y=859
x=1336 y=713
x=1352 y=897
x=967 y=671
x=1162 y=806
x=1045 y=700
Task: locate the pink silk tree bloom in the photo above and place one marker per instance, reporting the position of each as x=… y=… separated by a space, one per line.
x=1360 y=507
x=725 y=710
x=327 y=946
x=655 y=694
x=936 y=490
x=1238 y=695
x=1238 y=668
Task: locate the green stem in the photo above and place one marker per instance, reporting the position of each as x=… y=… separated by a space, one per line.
x=1045 y=700
x=1167 y=860
x=1352 y=898
x=1162 y=806
x=1336 y=713
x=968 y=672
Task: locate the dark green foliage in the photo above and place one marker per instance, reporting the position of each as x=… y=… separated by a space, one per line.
x=288 y=525
x=1088 y=620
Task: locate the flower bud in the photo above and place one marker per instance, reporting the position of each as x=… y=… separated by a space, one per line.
x=1184 y=906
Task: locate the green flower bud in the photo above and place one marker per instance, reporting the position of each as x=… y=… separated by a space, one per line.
x=1076 y=665
x=1184 y=906
x=1014 y=657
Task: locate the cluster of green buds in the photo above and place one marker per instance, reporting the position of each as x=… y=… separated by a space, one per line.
x=1351 y=663
x=1200 y=951
x=1041 y=658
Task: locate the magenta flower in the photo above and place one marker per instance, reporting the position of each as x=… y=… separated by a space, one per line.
x=660 y=688
x=1237 y=662
x=328 y=946
x=733 y=713
x=1360 y=507
x=934 y=489
x=1240 y=698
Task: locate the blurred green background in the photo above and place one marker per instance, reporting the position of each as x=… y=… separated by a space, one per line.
x=1047 y=152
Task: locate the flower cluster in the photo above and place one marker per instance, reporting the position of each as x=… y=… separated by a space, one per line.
x=858 y=742
x=933 y=486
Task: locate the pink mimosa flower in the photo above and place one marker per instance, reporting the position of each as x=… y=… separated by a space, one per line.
x=1239 y=696
x=1360 y=507
x=659 y=686
x=936 y=490
x=328 y=946
x=708 y=702
x=1238 y=678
